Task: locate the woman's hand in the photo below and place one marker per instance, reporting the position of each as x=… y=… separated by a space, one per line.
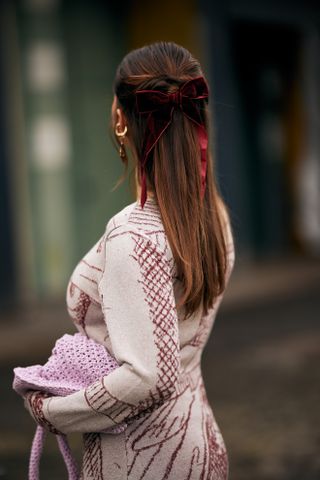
x=33 y=402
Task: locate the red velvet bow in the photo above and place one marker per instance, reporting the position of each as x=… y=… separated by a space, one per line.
x=159 y=107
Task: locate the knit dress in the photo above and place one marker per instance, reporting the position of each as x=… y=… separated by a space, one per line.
x=123 y=294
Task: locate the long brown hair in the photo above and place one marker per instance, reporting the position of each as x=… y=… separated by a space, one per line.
x=195 y=229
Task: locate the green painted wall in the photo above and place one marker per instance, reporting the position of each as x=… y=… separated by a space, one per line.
x=69 y=52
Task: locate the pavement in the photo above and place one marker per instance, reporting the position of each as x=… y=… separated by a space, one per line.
x=260 y=366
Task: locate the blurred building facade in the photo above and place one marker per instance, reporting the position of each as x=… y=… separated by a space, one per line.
x=58 y=165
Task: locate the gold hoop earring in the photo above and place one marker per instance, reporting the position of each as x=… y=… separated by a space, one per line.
x=124 y=131
x=121 y=135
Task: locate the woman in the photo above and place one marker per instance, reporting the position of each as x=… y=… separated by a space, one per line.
x=149 y=289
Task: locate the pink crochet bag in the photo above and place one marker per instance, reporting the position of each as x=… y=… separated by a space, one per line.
x=75 y=363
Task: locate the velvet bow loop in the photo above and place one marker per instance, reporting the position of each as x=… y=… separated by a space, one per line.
x=150 y=101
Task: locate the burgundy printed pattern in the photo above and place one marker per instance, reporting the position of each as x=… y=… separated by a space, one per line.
x=181 y=436
x=218 y=459
x=160 y=436
x=35 y=401
x=79 y=312
x=157 y=286
x=100 y=399
x=170 y=435
x=92 y=458
x=149 y=221
x=149 y=216
x=218 y=464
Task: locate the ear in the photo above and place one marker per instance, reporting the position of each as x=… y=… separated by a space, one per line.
x=120 y=118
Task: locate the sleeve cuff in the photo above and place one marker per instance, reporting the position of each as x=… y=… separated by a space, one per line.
x=36 y=403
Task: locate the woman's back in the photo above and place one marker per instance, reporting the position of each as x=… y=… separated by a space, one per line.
x=172 y=432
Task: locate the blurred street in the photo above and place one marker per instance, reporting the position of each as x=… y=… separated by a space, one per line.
x=261 y=369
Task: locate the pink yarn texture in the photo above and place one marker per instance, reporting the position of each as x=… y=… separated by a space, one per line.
x=75 y=363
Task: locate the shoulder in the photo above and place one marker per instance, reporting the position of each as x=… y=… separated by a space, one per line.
x=134 y=224
x=120 y=219
x=131 y=252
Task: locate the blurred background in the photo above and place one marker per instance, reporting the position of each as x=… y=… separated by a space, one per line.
x=58 y=166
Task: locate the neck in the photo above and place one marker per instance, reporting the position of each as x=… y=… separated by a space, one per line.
x=138 y=188
x=138 y=194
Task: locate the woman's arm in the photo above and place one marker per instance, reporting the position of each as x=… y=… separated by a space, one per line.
x=139 y=307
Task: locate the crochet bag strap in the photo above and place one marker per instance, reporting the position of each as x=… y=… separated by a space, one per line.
x=36 y=451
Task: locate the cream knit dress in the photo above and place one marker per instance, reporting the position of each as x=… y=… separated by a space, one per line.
x=123 y=295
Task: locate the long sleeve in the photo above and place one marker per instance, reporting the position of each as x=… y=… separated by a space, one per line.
x=138 y=303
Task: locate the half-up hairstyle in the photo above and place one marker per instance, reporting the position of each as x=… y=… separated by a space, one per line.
x=195 y=227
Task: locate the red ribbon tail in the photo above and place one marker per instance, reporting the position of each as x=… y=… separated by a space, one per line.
x=143 y=187
x=203 y=140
